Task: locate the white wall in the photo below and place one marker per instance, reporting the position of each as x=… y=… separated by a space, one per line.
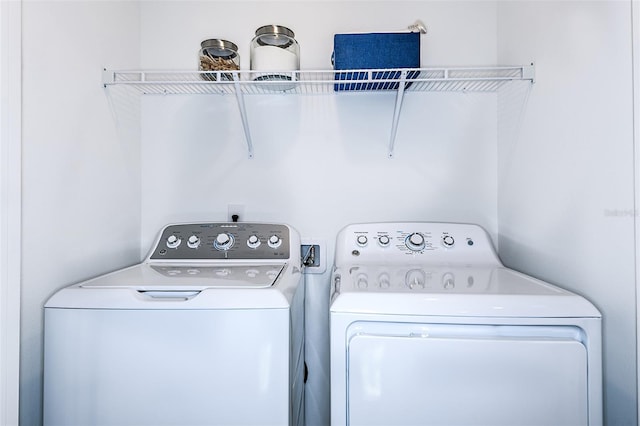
x=566 y=194
x=636 y=125
x=320 y=161
x=10 y=175
x=81 y=183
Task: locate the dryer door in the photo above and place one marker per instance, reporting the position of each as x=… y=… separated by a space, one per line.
x=439 y=374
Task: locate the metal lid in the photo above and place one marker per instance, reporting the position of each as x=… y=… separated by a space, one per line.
x=274 y=35
x=216 y=47
x=276 y=30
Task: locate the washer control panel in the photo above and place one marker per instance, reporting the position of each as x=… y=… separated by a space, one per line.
x=414 y=242
x=211 y=241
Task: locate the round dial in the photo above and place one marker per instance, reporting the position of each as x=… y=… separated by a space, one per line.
x=223 y=241
x=384 y=240
x=193 y=241
x=362 y=240
x=448 y=241
x=253 y=241
x=415 y=241
x=173 y=241
x=274 y=241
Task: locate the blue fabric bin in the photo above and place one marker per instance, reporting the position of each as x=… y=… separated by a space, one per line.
x=374 y=51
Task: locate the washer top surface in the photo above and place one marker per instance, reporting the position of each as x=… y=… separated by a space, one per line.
x=443 y=269
x=147 y=277
x=224 y=265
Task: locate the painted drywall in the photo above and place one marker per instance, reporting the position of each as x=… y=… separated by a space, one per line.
x=635 y=10
x=566 y=194
x=320 y=161
x=10 y=193
x=81 y=182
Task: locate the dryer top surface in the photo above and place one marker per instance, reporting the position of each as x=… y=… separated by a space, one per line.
x=428 y=268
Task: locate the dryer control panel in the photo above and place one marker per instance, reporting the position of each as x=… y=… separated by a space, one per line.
x=414 y=243
x=227 y=240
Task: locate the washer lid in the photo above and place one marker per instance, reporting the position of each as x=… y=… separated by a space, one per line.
x=452 y=291
x=180 y=277
x=184 y=287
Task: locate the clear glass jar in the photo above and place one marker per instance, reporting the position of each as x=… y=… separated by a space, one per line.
x=218 y=55
x=274 y=48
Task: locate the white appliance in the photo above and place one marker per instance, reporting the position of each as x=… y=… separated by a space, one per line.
x=429 y=328
x=208 y=330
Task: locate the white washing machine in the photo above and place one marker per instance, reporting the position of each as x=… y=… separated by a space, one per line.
x=429 y=328
x=208 y=330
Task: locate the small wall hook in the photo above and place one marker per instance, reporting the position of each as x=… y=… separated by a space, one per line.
x=418 y=26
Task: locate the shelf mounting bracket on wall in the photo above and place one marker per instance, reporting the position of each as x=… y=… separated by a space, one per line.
x=243 y=117
x=396 y=112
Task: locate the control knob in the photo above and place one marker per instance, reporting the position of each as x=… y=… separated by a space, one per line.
x=384 y=240
x=223 y=241
x=173 y=241
x=415 y=241
x=362 y=240
x=274 y=241
x=193 y=241
x=448 y=241
x=253 y=241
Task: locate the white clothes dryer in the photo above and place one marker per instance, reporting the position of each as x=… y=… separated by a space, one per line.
x=429 y=328
x=208 y=330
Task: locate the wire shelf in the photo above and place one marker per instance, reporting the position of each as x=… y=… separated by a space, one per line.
x=241 y=83
x=482 y=79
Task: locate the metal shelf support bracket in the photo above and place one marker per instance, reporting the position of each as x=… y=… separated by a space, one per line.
x=529 y=73
x=396 y=112
x=243 y=117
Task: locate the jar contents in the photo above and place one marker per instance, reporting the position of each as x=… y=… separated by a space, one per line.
x=274 y=48
x=218 y=55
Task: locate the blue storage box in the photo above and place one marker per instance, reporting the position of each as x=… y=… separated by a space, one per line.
x=374 y=51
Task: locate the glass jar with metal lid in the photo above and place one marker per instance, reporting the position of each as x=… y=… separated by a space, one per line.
x=274 y=48
x=218 y=55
